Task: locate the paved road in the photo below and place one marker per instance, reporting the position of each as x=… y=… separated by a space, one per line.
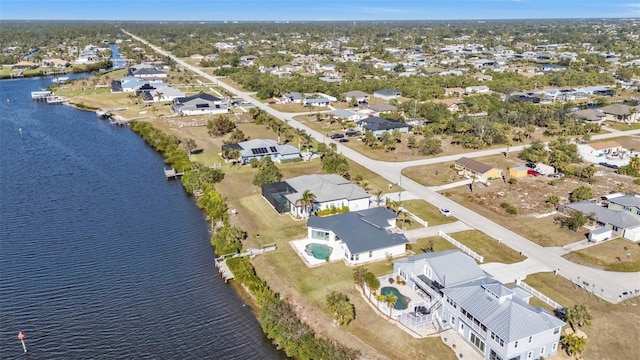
x=607 y=285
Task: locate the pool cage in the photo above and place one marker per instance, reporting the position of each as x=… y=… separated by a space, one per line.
x=275 y=193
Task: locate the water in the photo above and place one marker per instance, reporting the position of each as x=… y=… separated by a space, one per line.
x=116 y=57
x=100 y=256
x=402 y=302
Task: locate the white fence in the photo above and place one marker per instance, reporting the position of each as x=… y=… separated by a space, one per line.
x=461 y=246
x=539 y=295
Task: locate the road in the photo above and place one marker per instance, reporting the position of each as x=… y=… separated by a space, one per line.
x=608 y=285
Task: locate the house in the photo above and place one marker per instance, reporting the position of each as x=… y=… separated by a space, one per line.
x=55 y=63
x=387 y=94
x=378 y=109
x=24 y=65
x=378 y=125
x=622 y=223
x=629 y=203
x=496 y=320
x=311 y=102
x=259 y=148
x=457 y=91
x=199 y=104
x=602 y=148
x=358 y=95
x=147 y=72
x=364 y=235
x=452 y=104
x=482 y=89
x=620 y=112
x=330 y=190
x=345 y=115
x=292 y=97
x=589 y=115
x=519 y=171
x=473 y=168
x=159 y=93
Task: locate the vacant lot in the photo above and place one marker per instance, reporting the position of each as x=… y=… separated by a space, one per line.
x=615 y=329
x=427 y=212
x=476 y=241
x=613 y=255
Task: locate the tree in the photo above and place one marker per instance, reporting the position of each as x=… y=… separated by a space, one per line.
x=573 y=220
x=372 y=281
x=580 y=194
x=220 y=125
x=535 y=153
x=574 y=344
x=358 y=276
x=237 y=136
x=391 y=301
x=430 y=146
x=306 y=202
x=191 y=145
x=588 y=171
x=394 y=205
x=404 y=219
x=553 y=200
x=343 y=310
x=267 y=173
x=336 y=164
x=579 y=315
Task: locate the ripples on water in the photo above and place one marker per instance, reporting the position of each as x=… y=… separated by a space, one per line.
x=100 y=257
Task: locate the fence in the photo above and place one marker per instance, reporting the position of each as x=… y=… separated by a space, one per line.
x=461 y=246
x=539 y=295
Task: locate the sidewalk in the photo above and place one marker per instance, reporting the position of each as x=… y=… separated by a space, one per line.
x=508 y=273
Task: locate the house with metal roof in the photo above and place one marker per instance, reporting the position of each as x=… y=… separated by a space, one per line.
x=622 y=222
x=378 y=125
x=496 y=320
x=260 y=148
x=629 y=203
x=387 y=94
x=364 y=236
x=343 y=114
x=199 y=104
x=358 y=95
x=474 y=168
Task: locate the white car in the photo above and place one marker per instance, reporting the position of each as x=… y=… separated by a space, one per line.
x=445 y=212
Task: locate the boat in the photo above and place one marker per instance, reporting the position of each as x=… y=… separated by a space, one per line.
x=60 y=79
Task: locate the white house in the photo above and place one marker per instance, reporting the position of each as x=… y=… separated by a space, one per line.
x=260 y=148
x=387 y=94
x=364 y=236
x=496 y=320
x=199 y=104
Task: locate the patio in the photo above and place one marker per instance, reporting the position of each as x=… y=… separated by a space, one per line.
x=300 y=246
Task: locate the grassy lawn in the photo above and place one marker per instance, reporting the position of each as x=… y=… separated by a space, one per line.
x=611 y=255
x=294 y=108
x=432 y=175
x=427 y=212
x=615 y=329
x=438 y=243
x=488 y=247
x=622 y=126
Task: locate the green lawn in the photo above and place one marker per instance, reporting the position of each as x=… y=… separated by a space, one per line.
x=476 y=241
x=427 y=212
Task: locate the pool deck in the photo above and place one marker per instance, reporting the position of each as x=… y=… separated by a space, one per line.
x=299 y=246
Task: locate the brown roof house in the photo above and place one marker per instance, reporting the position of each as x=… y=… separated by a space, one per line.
x=605 y=147
x=480 y=171
x=22 y=65
x=453 y=104
x=621 y=112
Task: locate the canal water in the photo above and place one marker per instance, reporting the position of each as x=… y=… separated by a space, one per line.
x=100 y=256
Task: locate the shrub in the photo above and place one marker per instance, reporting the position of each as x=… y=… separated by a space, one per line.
x=510 y=209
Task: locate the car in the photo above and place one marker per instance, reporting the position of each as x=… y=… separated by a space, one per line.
x=352 y=133
x=533 y=172
x=343 y=140
x=445 y=212
x=336 y=136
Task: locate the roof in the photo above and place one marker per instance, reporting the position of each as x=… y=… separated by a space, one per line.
x=388 y=92
x=342 y=114
x=618 y=218
x=507 y=316
x=474 y=165
x=450 y=267
x=589 y=114
x=361 y=231
x=205 y=97
x=382 y=107
x=626 y=200
x=616 y=109
x=355 y=93
x=380 y=124
x=326 y=187
x=263 y=147
x=602 y=145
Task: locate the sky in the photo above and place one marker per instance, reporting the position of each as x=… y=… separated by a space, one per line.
x=300 y=10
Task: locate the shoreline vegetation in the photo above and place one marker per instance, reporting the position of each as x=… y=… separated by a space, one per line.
x=278 y=319
x=7 y=73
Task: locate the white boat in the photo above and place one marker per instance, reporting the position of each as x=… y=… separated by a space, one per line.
x=60 y=79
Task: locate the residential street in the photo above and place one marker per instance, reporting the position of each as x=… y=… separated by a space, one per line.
x=607 y=285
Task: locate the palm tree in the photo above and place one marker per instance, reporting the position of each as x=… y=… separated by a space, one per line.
x=358 y=276
x=404 y=218
x=391 y=300
x=393 y=205
x=306 y=201
x=579 y=315
x=378 y=197
x=574 y=344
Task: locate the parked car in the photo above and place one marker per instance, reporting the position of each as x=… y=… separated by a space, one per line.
x=343 y=140
x=533 y=172
x=610 y=166
x=352 y=132
x=337 y=136
x=445 y=212
x=530 y=165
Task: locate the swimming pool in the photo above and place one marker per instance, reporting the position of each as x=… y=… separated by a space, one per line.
x=319 y=251
x=403 y=301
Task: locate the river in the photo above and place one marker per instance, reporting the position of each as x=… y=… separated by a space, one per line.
x=100 y=256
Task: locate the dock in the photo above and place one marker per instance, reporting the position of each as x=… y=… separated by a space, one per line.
x=171 y=173
x=223 y=268
x=40 y=95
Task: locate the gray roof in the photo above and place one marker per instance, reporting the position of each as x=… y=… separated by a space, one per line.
x=449 y=267
x=626 y=200
x=342 y=114
x=326 y=187
x=508 y=317
x=589 y=114
x=355 y=93
x=269 y=147
x=361 y=231
x=375 y=123
x=388 y=92
x=382 y=107
x=618 y=218
x=617 y=109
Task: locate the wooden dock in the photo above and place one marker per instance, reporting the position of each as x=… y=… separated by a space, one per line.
x=171 y=173
x=223 y=268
